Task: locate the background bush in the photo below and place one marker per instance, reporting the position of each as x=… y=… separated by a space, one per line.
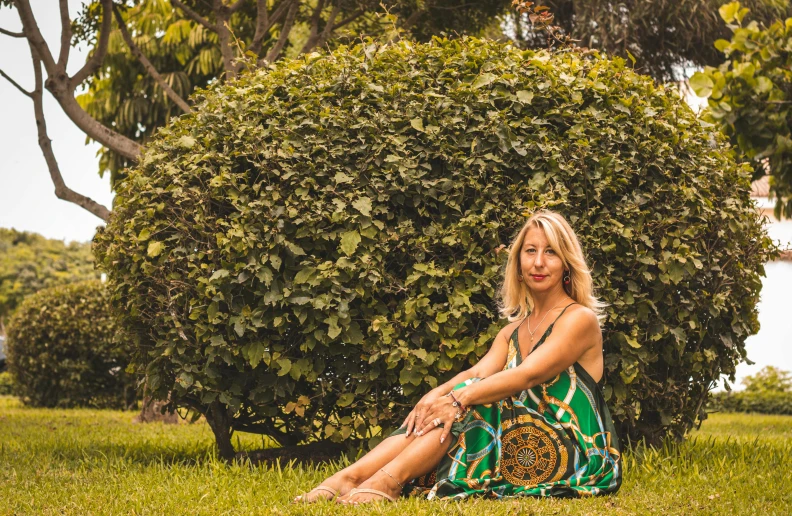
x=6 y=383
x=63 y=350
x=316 y=246
x=769 y=392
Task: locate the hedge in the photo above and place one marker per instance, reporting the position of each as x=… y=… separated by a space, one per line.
x=760 y=402
x=64 y=350
x=317 y=244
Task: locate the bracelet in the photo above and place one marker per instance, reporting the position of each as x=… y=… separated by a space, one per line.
x=456 y=401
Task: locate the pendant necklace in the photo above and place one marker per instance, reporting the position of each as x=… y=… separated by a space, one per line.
x=540 y=322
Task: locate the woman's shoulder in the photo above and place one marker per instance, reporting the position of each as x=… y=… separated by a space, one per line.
x=507 y=331
x=581 y=318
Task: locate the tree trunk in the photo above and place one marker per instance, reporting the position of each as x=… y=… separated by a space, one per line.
x=220 y=422
x=151 y=412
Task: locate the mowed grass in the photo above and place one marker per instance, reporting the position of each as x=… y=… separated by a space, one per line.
x=98 y=462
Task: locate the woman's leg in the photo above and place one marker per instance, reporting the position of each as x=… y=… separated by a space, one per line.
x=417 y=459
x=364 y=468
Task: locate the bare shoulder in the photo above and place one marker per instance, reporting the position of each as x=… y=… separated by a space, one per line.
x=581 y=320
x=507 y=330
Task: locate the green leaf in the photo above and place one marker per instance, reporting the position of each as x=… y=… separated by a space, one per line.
x=155 y=248
x=483 y=80
x=525 y=96
x=144 y=235
x=304 y=275
x=186 y=142
x=345 y=399
x=417 y=124
x=218 y=274
x=349 y=242
x=702 y=84
x=729 y=11
x=363 y=205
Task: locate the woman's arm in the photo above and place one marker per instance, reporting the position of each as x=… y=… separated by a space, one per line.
x=566 y=344
x=489 y=364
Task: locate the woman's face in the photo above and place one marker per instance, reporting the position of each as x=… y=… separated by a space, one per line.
x=540 y=266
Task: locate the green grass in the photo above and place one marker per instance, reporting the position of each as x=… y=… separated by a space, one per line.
x=99 y=462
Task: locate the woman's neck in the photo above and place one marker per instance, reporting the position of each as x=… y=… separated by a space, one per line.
x=545 y=301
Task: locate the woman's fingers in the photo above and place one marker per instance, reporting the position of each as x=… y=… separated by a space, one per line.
x=413 y=420
x=446 y=429
x=430 y=424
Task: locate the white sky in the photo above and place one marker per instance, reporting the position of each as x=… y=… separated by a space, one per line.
x=28 y=202
x=27 y=196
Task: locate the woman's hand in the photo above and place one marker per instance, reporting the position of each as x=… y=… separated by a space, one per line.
x=440 y=412
x=417 y=414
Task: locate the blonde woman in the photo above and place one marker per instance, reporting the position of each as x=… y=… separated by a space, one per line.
x=529 y=418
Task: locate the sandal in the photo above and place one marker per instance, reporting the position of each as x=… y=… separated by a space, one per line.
x=355 y=491
x=317 y=488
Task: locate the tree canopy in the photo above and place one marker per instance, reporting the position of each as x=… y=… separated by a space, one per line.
x=29 y=262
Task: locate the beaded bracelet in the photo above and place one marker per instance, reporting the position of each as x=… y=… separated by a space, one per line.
x=461 y=409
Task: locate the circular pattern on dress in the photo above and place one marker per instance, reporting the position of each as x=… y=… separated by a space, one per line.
x=531 y=456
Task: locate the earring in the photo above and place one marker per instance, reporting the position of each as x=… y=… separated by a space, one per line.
x=566 y=278
x=520 y=278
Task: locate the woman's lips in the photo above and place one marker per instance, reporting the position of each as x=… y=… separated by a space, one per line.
x=538 y=277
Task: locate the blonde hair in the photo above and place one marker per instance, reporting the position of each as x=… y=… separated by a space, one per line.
x=516 y=299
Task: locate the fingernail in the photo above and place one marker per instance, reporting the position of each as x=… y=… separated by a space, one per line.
x=442 y=439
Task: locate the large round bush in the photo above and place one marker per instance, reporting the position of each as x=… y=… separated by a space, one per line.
x=317 y=245
x=64 y=350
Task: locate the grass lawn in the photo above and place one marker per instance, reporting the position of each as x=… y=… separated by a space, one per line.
x=98 y=462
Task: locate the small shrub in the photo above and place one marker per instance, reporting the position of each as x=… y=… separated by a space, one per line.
x=317 y=244
x=6 y=383
x=768 y=392
x=64 y=350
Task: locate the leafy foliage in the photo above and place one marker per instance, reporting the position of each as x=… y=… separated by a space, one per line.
x=29 y=262
x=767 y=392
x=750 y=97
x=316 y=245
x=123 y=96
x=6 y=383
x=663 y=36
x=64 y=351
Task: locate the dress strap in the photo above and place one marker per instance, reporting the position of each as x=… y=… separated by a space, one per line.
x=564 y=310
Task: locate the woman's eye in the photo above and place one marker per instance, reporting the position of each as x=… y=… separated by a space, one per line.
x=551 y=251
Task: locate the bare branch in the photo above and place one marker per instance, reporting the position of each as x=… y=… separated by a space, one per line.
x=95 y=61
x=224 y=37
x=66 y=34
x=265 y=22
x=275 y=51
x=313 y=35
x=61 y=190
x=194 y=16
x=262 y=20
x=16 y=84
x=12 y=34
x=234 y=8
x=33 y=35
x=147 y=64
x=352 y=17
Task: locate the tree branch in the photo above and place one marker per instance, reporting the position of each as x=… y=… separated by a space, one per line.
x=262 y=20
x=234 y=8
x=66 y=34
x=313 y=35
x=33 y=35
x=147 y=64
x=265 y=22
x=12 y=34
x=16 y=84
x=275 y=51
x=61 y=190
x=194 y=16
x=224 y=37
x=95 y=61
x=352 y=17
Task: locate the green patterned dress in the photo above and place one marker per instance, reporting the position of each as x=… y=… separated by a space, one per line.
x=556 y=439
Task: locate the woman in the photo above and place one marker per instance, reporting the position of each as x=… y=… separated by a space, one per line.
x=529 y=418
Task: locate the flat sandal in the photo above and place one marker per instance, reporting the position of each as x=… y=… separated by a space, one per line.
x=317 y=488
x=355 y=491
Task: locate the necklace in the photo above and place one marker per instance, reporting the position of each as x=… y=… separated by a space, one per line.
x=540 y=322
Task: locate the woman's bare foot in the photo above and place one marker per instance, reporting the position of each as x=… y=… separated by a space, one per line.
x=337 y=485
x=379 y=482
